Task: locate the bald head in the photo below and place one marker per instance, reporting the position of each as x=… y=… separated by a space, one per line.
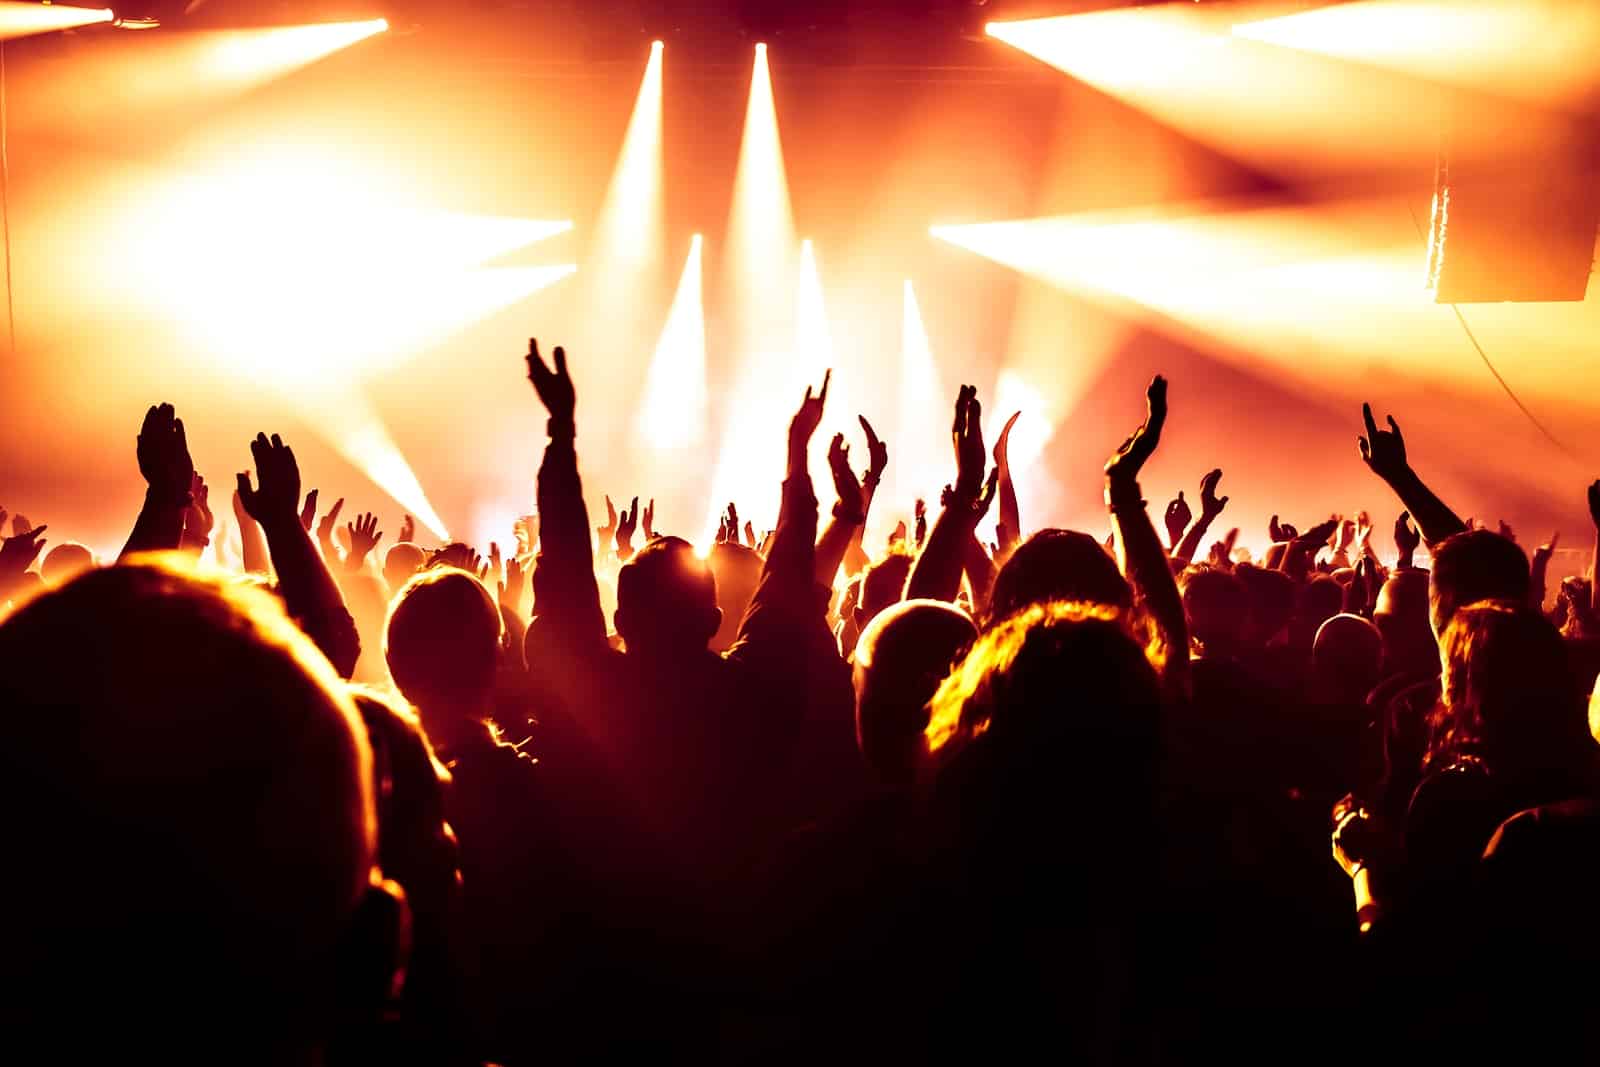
x=197 y=786
x=901 y=657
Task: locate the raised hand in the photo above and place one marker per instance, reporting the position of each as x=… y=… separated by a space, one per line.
x=966 y=433
x=1280 y=532
x=510 y=587
x=1002 y=446
x=749 y=533
x=163 y=452
x=1384 y=451
x=609 y=530
x=1507 y=532
x=844 y=481
x=898 y=534
x=1178 y=516
x=364 y=537
x=1318 y=535
x=308 y=513
x=733 y=522
x=408 y=529
x=1406 y=537
x=920 y=514
x=625 y=528
x=274 y=502
x=1128 y=460
x=198 y=521
x=325 y=529
x=650 y=521
x=1543 y=554
x=877 y=452
x=17 y=554
x=553 y=386
x=804 y=424
x=1211 y=505
x=21 y=524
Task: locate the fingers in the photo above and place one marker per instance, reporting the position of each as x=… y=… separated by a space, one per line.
x=561 y=362
x=243 y=493
x=536 y=367
x=1372 y=425
x=1366 y=450
x=1394 y=426
x=866 y=428
x=827 y=377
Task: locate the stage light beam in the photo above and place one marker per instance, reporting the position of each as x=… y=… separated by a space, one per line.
x=673 y=414
x=248 y=57
x=761 y=229
x=25 y=20
x=629 y=228
x=921 y=460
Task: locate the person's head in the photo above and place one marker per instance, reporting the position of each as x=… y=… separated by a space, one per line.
x=401 y=562
x=1319 y=600
x=1347 y=658
x=737 y=571
x=901 y=658
x=1509 y=696
x=196 y=839
x=1057 y=565
x=1401 y=616
x=1056 y=691
x=667 y=599
x=1472 y=566
x=442 y=644
x=1217 y=607
x=64 y=562
x=883 y=584
x=1271 y=602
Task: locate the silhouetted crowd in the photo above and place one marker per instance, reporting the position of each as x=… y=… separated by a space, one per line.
x=782 y=799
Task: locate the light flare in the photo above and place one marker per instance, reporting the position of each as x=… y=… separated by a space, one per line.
x=672 y=416
x=25 y=20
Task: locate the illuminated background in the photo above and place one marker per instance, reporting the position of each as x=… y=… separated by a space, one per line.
x=348 y=236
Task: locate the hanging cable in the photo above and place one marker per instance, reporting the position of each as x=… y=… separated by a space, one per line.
x=1488 y=363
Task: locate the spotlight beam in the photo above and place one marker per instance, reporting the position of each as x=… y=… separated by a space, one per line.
x=673 y=414
x=25 y=20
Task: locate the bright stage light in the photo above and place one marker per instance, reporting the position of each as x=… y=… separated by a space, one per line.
x=24 y=20
x=920 y=463
x=1181 y=64
x=673 y=413
x=294 y=272
x=1525 y=48
x=251 y=56
x=628 y=230
x=761 y=229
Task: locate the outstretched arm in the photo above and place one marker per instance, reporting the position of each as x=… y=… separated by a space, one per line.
x=1211 y=506
x=252 y=546
x=309 y=592
x=849 y=514
x=1384 y=452
x=568 y=600
x=1139 y=551
x=163 y=452
x=786 y=607
x=1009 y=528
x=936 y=575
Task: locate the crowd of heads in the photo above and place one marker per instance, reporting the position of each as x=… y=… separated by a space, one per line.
x=1086 y=796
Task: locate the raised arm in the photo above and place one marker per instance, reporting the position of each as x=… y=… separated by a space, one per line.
x=1008 y=530
x=251 y=545
x=786 y=607
x=855 y=555
x=568 y=597
x=1139 y=551
x=1211 y=506
x=849 y=514
x=1384 y=452
x=936 y=575
x=309 y=592
x=163 y=452
x=198 y=522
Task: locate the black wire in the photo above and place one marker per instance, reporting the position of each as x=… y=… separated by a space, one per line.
x=1487 y=362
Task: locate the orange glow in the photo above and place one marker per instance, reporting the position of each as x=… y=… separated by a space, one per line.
x=1529 y=48
x=24 y=20
x=761 y=228
x=920 y=460
x=1183 y=65
x=673 y=413
x=628 y=230
x=253 y=56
